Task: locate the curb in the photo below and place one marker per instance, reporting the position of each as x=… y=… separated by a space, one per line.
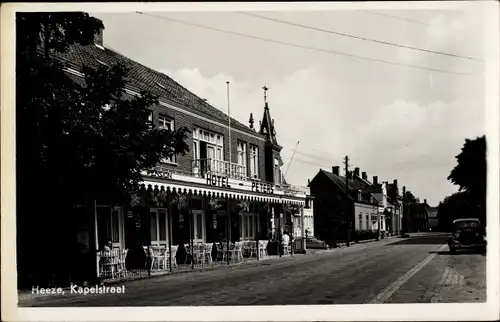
x=27 y=295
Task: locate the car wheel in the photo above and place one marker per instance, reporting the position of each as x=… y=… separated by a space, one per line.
x=453 y=250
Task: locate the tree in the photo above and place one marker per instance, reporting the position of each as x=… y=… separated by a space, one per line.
x=409 y=198
x=76 y=142
x=470 y=174
x=457 y=205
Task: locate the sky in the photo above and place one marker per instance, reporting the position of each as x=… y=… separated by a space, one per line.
x=393 y=121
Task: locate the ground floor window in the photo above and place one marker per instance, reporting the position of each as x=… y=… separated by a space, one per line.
x=249 y=224
x=109 y=226
x=160 y=223
x=198 y=226
x=360 y=222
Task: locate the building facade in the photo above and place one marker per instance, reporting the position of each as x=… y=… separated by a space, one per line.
x=228 y=188
x=365 y=205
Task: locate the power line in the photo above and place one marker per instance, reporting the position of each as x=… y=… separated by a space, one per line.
x=354 y=37
x=303 y=46
x=396 y=17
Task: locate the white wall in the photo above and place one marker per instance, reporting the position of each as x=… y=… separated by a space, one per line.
x=366 y=212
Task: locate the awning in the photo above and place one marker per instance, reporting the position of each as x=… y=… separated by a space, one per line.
x=214 y=192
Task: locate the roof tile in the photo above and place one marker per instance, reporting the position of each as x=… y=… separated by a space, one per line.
x=145 y=78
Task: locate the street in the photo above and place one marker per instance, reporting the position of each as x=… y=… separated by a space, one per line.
x=418 y=269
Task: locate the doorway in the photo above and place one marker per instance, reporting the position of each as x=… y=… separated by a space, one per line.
x=110 y=226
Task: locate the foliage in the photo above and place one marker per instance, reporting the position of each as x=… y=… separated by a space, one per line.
x=360 y=235
x=457 y=205
x=470 y=176
x=470 y=172
x=84 y=139
x=409 y=198
x=76 y=141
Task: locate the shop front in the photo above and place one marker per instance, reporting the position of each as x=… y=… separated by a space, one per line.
x=182 y=224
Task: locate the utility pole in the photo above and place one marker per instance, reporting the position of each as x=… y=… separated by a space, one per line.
x=348 y=210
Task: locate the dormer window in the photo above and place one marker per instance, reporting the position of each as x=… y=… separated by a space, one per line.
x=360 y=195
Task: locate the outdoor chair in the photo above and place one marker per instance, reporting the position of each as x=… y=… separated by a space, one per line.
x=173 y=255
x=198 y=253
x=263 y=248
x=253 y=249
x=109 y=264
x=236 y=252
x=207 y=254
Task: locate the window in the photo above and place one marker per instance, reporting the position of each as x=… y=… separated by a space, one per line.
x=198 y=226
x=277 y=172
x=360 y=222
x=254 y=161
x=158 y=226
x=167 y=124
x=195 y=150
x=368 y=226
x=242 y=159
x=208 y=150
x=249 y=224
x=109 y=226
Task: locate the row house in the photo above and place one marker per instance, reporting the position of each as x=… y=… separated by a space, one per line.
x=305 y=227
x=339 y=200
x=229 y=187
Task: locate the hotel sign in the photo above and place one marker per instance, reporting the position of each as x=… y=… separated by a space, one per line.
x=219 y=181
x=258 y=186
x=216 y=180
x=160 y=173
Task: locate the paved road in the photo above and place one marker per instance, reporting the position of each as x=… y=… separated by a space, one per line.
x=412 y=270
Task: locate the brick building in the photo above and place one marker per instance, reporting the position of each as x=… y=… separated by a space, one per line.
x=362 y=203
x=228 y=187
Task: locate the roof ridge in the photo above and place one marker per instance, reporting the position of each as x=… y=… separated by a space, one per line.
x=157 y=73
x=189 y=97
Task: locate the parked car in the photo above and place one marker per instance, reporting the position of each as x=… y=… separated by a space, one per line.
x=468 y=233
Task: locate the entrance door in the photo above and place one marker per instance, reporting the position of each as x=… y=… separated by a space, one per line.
x=110 y=226
x=198 y=226
x=160 y=222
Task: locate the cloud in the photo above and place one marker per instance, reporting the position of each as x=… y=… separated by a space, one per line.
x=413 y=142
x=393 y=121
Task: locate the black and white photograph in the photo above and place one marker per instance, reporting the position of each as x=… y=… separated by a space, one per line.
x=248 y=158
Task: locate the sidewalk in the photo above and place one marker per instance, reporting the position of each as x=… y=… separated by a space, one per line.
x=26 y=295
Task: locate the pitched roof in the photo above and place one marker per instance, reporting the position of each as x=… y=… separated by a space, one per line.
x=147 y=79
x=340 y=181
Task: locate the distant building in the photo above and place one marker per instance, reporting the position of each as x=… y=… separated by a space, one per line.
x=432 y=218
x=335 y=204
x=418 y=217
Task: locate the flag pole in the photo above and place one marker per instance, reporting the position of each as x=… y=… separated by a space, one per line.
x=229 y=125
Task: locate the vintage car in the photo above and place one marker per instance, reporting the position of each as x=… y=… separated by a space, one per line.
x=468 y=233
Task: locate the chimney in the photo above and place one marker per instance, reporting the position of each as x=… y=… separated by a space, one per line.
x=251 y=121
x=335 y=170
x=425 y=200
x=98 y=37
x=356 y=172
x=395 y=182
x=308 y=182
x=375 y=180
x=364 y=176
